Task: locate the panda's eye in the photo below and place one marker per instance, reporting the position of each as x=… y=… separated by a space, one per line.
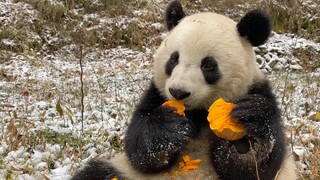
x=172 y=62
x=210 y=70
x=174 y=58
x=208 y=64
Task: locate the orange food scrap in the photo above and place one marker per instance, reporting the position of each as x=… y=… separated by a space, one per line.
x=223 y=125
x=114 y=178
x=175 y=174
x=187 y=164
x=176 y=104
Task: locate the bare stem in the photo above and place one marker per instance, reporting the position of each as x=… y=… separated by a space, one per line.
x=255 y=160
x=81 y=88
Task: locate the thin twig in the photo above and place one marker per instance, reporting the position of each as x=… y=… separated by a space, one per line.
x=255 y=160
x=284 y=93
x=82 y=91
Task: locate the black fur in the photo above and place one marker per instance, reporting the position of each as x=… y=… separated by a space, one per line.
x=172 y=62
x=198 y=118
x=97 y=169
x=256 y=27
x=174 y=14
x=155 y=134
x=259 y=113
x=210 y=70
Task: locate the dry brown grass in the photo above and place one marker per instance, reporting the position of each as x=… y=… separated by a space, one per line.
x=286 y=87
x=64 y=24
x=17 y=131
x=50 y=11
x=309 y=57
x=288 y=15
x=292 y=16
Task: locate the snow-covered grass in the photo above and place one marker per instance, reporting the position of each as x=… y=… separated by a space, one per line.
x=34 y=90
x=40 y=99
x=299 y=99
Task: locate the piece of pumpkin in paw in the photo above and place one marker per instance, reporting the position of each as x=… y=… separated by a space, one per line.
x=179 y=106
x=222 y=124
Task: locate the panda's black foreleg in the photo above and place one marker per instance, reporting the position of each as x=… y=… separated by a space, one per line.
x=155 y=134
x=260 y=153
x=97 y=169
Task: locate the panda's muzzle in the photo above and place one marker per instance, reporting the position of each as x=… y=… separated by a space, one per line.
x=179 y=94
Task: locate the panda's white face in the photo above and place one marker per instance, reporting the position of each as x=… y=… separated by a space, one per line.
x=202 y=59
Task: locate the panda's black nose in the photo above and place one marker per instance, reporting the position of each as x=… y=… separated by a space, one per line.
x=179 y=94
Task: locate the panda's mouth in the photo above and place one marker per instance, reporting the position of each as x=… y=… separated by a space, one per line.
x=188 y=105
x=184 y=96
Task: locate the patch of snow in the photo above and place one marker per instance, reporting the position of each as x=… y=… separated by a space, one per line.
x=277 y=53
x=157 y=26
x=61 y=173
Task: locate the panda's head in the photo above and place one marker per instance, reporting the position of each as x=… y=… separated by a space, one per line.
x=207 y=56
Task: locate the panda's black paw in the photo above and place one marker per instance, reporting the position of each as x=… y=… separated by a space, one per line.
x=153 y=145
x=178 y=127
x=255 y=112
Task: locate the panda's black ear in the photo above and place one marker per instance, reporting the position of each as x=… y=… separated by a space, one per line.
x=256 y=27
x=174 y=14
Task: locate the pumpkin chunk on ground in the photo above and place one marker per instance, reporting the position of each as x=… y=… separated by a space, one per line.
x=180 y=108
x=187 y=164
x=222 y=124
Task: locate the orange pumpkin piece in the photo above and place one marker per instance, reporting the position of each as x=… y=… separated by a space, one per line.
x=222 y=124
x=175 y=174
x=176 y=104
x=187 y=164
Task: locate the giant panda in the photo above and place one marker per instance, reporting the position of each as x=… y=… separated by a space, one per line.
x=204 y=57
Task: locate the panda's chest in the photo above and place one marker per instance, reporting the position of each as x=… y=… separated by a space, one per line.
x=197 y=148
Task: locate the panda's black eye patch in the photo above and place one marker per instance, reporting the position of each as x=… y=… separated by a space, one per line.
x=172 y=62
x=210 y=70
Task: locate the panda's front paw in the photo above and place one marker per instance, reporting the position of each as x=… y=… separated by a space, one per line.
x=176 y=126
x=255 y=112
x=153 y=144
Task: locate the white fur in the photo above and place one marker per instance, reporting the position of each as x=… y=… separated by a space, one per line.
x=196 y=37
x=288 y=169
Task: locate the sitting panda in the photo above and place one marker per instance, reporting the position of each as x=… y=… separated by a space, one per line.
x=205 y=56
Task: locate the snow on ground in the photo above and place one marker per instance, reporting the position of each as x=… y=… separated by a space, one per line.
x=42 y=136
x=278 y=52
x=113 y=85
